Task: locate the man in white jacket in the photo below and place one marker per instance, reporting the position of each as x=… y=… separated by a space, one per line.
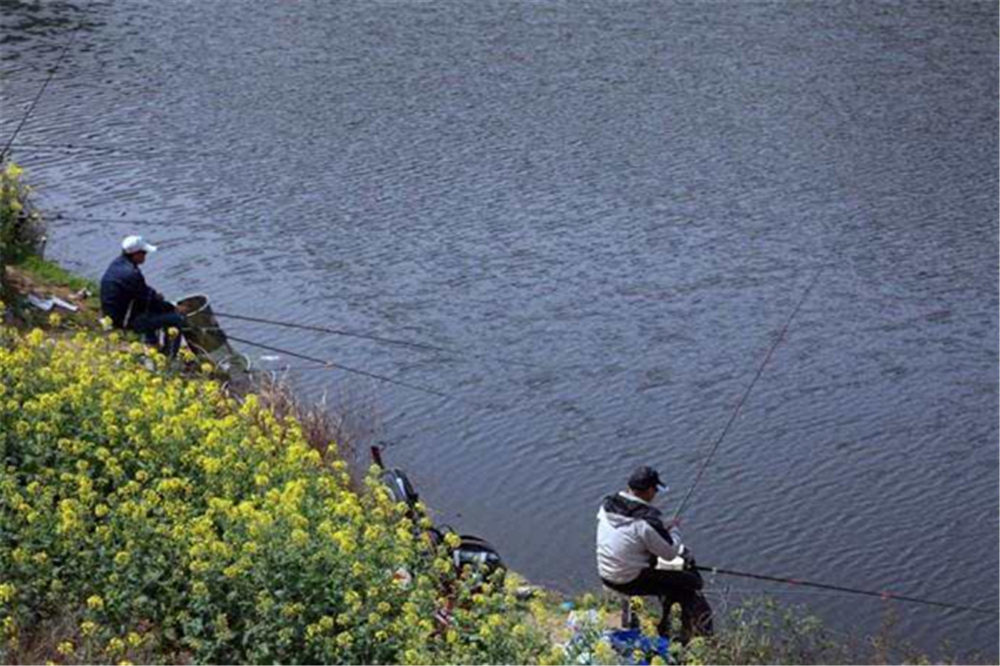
x=631 y=541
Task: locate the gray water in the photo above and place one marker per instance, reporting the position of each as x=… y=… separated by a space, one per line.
x=627 y=201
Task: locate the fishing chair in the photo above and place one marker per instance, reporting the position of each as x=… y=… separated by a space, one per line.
x=629 y=618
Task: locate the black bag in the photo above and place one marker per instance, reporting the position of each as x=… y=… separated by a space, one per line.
x=400 y=488
x=478 y=554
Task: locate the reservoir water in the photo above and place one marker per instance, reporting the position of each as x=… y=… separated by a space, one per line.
x=609 y=210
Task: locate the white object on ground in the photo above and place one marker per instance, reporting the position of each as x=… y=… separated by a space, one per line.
x=46 y=304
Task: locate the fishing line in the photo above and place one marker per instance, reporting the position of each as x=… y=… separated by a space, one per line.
x=331 y=331
x=330 y=364
x=50 y=147
x=152 y=152
x=847 y=590
x=59 y=217
x=45 y=85
x=746 y=393
x=392 y=341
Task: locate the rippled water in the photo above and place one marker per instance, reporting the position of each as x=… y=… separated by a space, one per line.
x=610 y=211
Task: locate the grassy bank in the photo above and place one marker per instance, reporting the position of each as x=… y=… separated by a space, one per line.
x=148 y=515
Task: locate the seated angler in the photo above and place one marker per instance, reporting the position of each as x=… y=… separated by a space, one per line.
x=133 y=305
x=632 y=541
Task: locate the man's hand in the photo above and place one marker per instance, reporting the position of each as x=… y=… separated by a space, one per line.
x=688 y=556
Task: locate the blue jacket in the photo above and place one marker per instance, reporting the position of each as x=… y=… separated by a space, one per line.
x=123 y=286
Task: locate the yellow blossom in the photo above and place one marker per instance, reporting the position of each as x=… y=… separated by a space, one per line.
x=604 y=653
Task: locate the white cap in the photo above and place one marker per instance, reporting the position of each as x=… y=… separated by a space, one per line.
x=136 y=244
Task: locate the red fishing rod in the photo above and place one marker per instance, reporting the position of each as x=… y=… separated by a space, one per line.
x=848 y=590
x=41 y=91
x=746 y=394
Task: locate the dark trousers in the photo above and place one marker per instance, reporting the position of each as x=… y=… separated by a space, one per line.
x=150 y=325
x=683 y=587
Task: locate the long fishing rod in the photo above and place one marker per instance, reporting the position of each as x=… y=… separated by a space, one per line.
x=60 y=217
x=746 y=393
x=62 y=147
x=34 y=103
x=848 y=590
x=339 y=366
x=331 y=331
x=392 y=341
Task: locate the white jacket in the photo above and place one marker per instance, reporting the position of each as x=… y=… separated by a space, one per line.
x=630 y=536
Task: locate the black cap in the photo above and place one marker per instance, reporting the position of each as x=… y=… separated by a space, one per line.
x=644 y=478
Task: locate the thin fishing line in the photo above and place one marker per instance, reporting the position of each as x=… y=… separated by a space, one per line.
x=331 y=331
x=848 y=590
x=746 y=393
x=49 y=147
x=393 y=341
x=152 y=152
x=59 y=217
x=41 y=91
x=339 y=366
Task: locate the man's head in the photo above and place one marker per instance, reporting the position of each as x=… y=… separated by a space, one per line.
x=136 y=248
x=645 y=482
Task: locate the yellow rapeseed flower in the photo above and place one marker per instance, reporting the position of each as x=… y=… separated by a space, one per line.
x=604 y=653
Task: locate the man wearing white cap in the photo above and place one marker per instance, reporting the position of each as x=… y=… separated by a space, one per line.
x=133 y=305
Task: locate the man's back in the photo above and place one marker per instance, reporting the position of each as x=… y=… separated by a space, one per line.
x=630 y=536
x=122 y=287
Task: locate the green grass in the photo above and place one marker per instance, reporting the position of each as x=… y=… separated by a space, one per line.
x=51 y=273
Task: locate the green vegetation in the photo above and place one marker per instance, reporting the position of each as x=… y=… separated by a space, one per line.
x=20 y=226
x=53 y=275
x=154 y=517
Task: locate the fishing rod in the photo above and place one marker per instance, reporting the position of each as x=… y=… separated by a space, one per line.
x=334 y=331
x=840 y=588
x=51 y=147
x=331 y=331
x=34 y=103
x=60 y=217
x=746 y=393
x=339 y=366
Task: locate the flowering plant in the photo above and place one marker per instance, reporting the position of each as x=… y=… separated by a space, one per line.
x=170 y=521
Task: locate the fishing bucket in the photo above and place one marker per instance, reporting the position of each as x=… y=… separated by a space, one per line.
x=205 y=337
